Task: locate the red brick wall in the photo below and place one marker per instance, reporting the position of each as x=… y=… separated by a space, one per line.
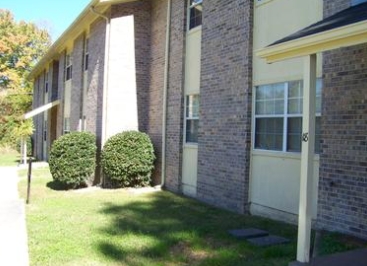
x=175 y=98
x=225 y=102
x=343 y=161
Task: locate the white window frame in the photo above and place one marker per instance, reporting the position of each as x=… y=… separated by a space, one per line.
x=199 y=2
x=86 y=54
x=186 y=118
x=66 y=126
x=68 y=67
x=46 y=89
x=285 y=116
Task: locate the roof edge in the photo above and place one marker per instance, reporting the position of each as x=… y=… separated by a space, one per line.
x=340 y=37
x=60 y=43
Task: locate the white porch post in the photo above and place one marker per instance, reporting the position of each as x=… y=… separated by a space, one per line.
x=24 y=150
x=308 y=150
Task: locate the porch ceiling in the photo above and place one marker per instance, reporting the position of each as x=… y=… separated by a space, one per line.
x=346 y=28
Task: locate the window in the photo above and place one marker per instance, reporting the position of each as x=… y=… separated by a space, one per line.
x=278 y=116
x=192 y=118
x=68 y=67
x=45 y=130
x=195 y=13
x=86 y=54
x=66 y=125
x=46 y=82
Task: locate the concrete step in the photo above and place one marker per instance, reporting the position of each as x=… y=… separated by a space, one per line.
x=268 y=240
x=247 y=233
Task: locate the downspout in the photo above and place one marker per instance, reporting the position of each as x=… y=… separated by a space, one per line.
x=105 y=77
x=165 y=89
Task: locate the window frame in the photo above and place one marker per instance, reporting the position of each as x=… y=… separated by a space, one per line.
x=189 y=8
x=285 y=115
x=45 y=127
x=66 y=125
x=86 y=54
x=190 y=118
x=46 y=82
x=68 y=67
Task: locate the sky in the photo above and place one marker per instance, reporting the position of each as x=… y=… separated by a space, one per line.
x=53 y=15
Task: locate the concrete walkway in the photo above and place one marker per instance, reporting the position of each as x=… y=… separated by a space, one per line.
x=13 y=232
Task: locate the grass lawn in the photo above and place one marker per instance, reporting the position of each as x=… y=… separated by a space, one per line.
x=118 y=227
x=9 y=158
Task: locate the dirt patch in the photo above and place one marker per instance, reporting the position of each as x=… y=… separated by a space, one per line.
x=214 y=243
x=191 y=256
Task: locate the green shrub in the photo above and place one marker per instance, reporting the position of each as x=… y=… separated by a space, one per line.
x=73 y=159
x=128 y=159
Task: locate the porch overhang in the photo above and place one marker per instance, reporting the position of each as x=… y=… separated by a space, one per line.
x=343 y=29
x=346 y=28
x=41 y=109
x=332 y=39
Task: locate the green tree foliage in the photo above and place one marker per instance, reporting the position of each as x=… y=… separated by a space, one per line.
x=22 y=44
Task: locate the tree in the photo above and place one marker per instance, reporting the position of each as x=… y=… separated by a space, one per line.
x=22 y=44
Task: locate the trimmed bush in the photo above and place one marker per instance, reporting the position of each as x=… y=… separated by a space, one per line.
x=128 y=159
x=73 y=159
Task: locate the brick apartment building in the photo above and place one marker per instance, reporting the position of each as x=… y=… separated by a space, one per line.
x=226 y=125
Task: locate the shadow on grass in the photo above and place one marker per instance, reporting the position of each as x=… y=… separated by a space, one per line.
x=165 y=229
x=56 y=185
x=59 y=186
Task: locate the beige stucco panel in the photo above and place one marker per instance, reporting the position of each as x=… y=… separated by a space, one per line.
x=192 y=64
x=275 y=182
x=67 y=98
x=189 y=170
x=277 y=19
x=192 y=86
x=121 y=108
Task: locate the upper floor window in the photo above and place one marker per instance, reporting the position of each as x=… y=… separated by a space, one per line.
x=46 y=82
x=86 y=54
x=278 y=116
x=195 y=13
x=68 y=67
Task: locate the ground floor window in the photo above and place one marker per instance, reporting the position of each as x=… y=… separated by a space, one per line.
x=45 y=130
x=66 y=125
x=192 y=118
x=278 y=116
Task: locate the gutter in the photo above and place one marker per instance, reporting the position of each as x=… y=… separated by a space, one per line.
x=71 y=32
x=60 y=42
x=165 y=89
x=105 y=77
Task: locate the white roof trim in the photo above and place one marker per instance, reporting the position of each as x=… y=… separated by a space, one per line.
x=41 y=109
x=336 y=38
